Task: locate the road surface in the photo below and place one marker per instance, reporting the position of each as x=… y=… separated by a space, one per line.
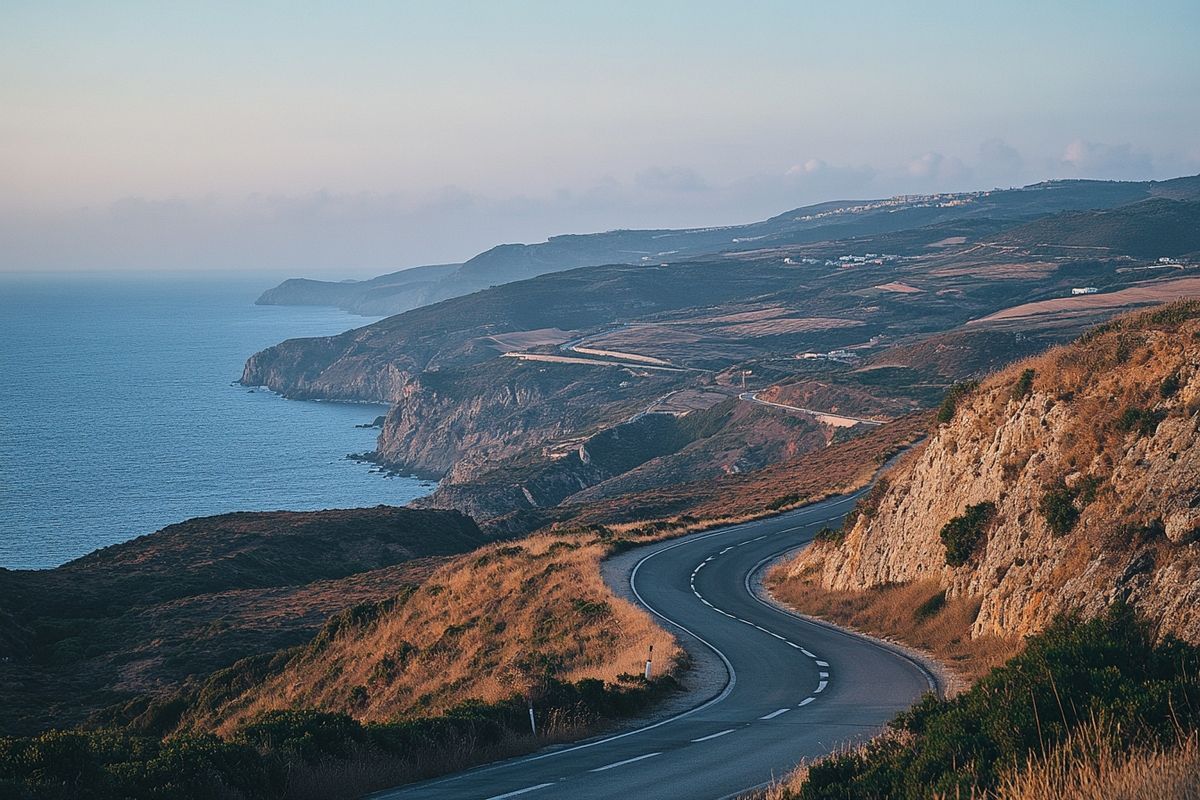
x=797 y=689
x=840 y=420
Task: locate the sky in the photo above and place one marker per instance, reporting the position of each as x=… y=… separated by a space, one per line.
x=348 y=139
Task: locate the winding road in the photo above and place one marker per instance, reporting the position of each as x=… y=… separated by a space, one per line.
x=796 y=689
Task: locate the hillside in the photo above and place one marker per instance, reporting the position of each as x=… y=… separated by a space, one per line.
x=495 y=391
x=1149 y=229
x=151 y=615
x=1061 y=484
x=408 y=289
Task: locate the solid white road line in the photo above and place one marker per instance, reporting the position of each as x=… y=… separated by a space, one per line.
x=520 y=791
x=626 y=761
x=775 y=714
x=806 y=701
x=714 y=735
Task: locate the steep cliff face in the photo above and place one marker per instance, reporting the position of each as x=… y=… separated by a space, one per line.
x=458 y=422
x=1062 y=483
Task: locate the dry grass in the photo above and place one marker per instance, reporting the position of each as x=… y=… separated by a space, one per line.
x=367 y=770
x=1094 y=766
x=479 y=628
x=908 y=613
x=1044 y=311
x=838 y=468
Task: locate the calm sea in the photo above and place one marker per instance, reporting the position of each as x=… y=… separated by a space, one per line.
x=119 y=414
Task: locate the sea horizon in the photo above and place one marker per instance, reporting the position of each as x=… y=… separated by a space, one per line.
x=124 y=415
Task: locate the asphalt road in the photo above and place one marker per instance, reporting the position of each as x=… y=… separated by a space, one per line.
x=797 y=689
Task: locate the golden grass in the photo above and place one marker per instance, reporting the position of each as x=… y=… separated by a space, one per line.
x=893 y=612
x=480 y=628
x=1094 y=766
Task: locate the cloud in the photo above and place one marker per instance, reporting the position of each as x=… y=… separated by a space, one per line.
x=1087 y=159
x=332 y=234
x=671 y=179
x=937 y=168
x=998 y=155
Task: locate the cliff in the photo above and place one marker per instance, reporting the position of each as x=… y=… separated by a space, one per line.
x=1061 y=484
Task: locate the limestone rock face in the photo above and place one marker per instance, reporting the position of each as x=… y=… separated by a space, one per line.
x=1113 y=424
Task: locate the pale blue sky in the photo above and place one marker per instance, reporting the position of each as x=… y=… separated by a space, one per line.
x=347 y=138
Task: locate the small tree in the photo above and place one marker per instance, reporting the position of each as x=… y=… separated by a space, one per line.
x=1024 y=385
x=962 y=534
x=953 y=397
x=1057 y=507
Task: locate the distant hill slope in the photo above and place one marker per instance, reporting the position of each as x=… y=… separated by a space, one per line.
x=1063 y=483
x=407 y=289
x=1150 y=229
x=154 y=613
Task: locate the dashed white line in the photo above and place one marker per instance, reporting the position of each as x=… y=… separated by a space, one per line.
x=823 y=675
x=822 y=664
x=806 y=701
x=793 y=644
x=714 y=735
x=623 y=763
x=821 y=686
x=810 y=655
x=775 y=714
x=520 y=791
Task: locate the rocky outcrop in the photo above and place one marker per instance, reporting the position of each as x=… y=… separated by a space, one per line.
x=1092 y=463
x=460 y=423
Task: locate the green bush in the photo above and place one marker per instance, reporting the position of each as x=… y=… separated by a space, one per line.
x=930 y=607
x=962 y=534
x=1140 y=420
x=1170 y=385
x=1057 y=507
x=1108 y=669
x=955 y=395
x=255 y=762
x=828 y=534
x=1024 y=385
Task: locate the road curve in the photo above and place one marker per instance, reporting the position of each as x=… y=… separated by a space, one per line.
x=797 y=689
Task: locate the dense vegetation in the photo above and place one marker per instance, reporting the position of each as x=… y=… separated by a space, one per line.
x=1108 y=670
x=1057 y=507
x=1024 y=384
x=962 y=534
x=954 y=396
x=283 y=752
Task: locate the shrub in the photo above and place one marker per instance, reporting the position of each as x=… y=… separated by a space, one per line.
x=962 y=534
x=1024 y=385
x=1142 y=421
x=828 y=534
x=1170 y=385
x=1057 y=507
x=1068 y=676
x=930 y=607
x=956 y=394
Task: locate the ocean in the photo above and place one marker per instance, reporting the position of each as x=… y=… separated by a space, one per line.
x=119 y=413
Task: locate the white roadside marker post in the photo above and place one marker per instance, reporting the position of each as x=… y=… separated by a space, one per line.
x=532 y=722
x=649 y=662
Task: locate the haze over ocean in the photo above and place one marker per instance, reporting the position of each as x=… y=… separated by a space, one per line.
x=121 y=416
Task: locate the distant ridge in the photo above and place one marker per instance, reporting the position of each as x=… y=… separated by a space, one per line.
x=411 y=288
